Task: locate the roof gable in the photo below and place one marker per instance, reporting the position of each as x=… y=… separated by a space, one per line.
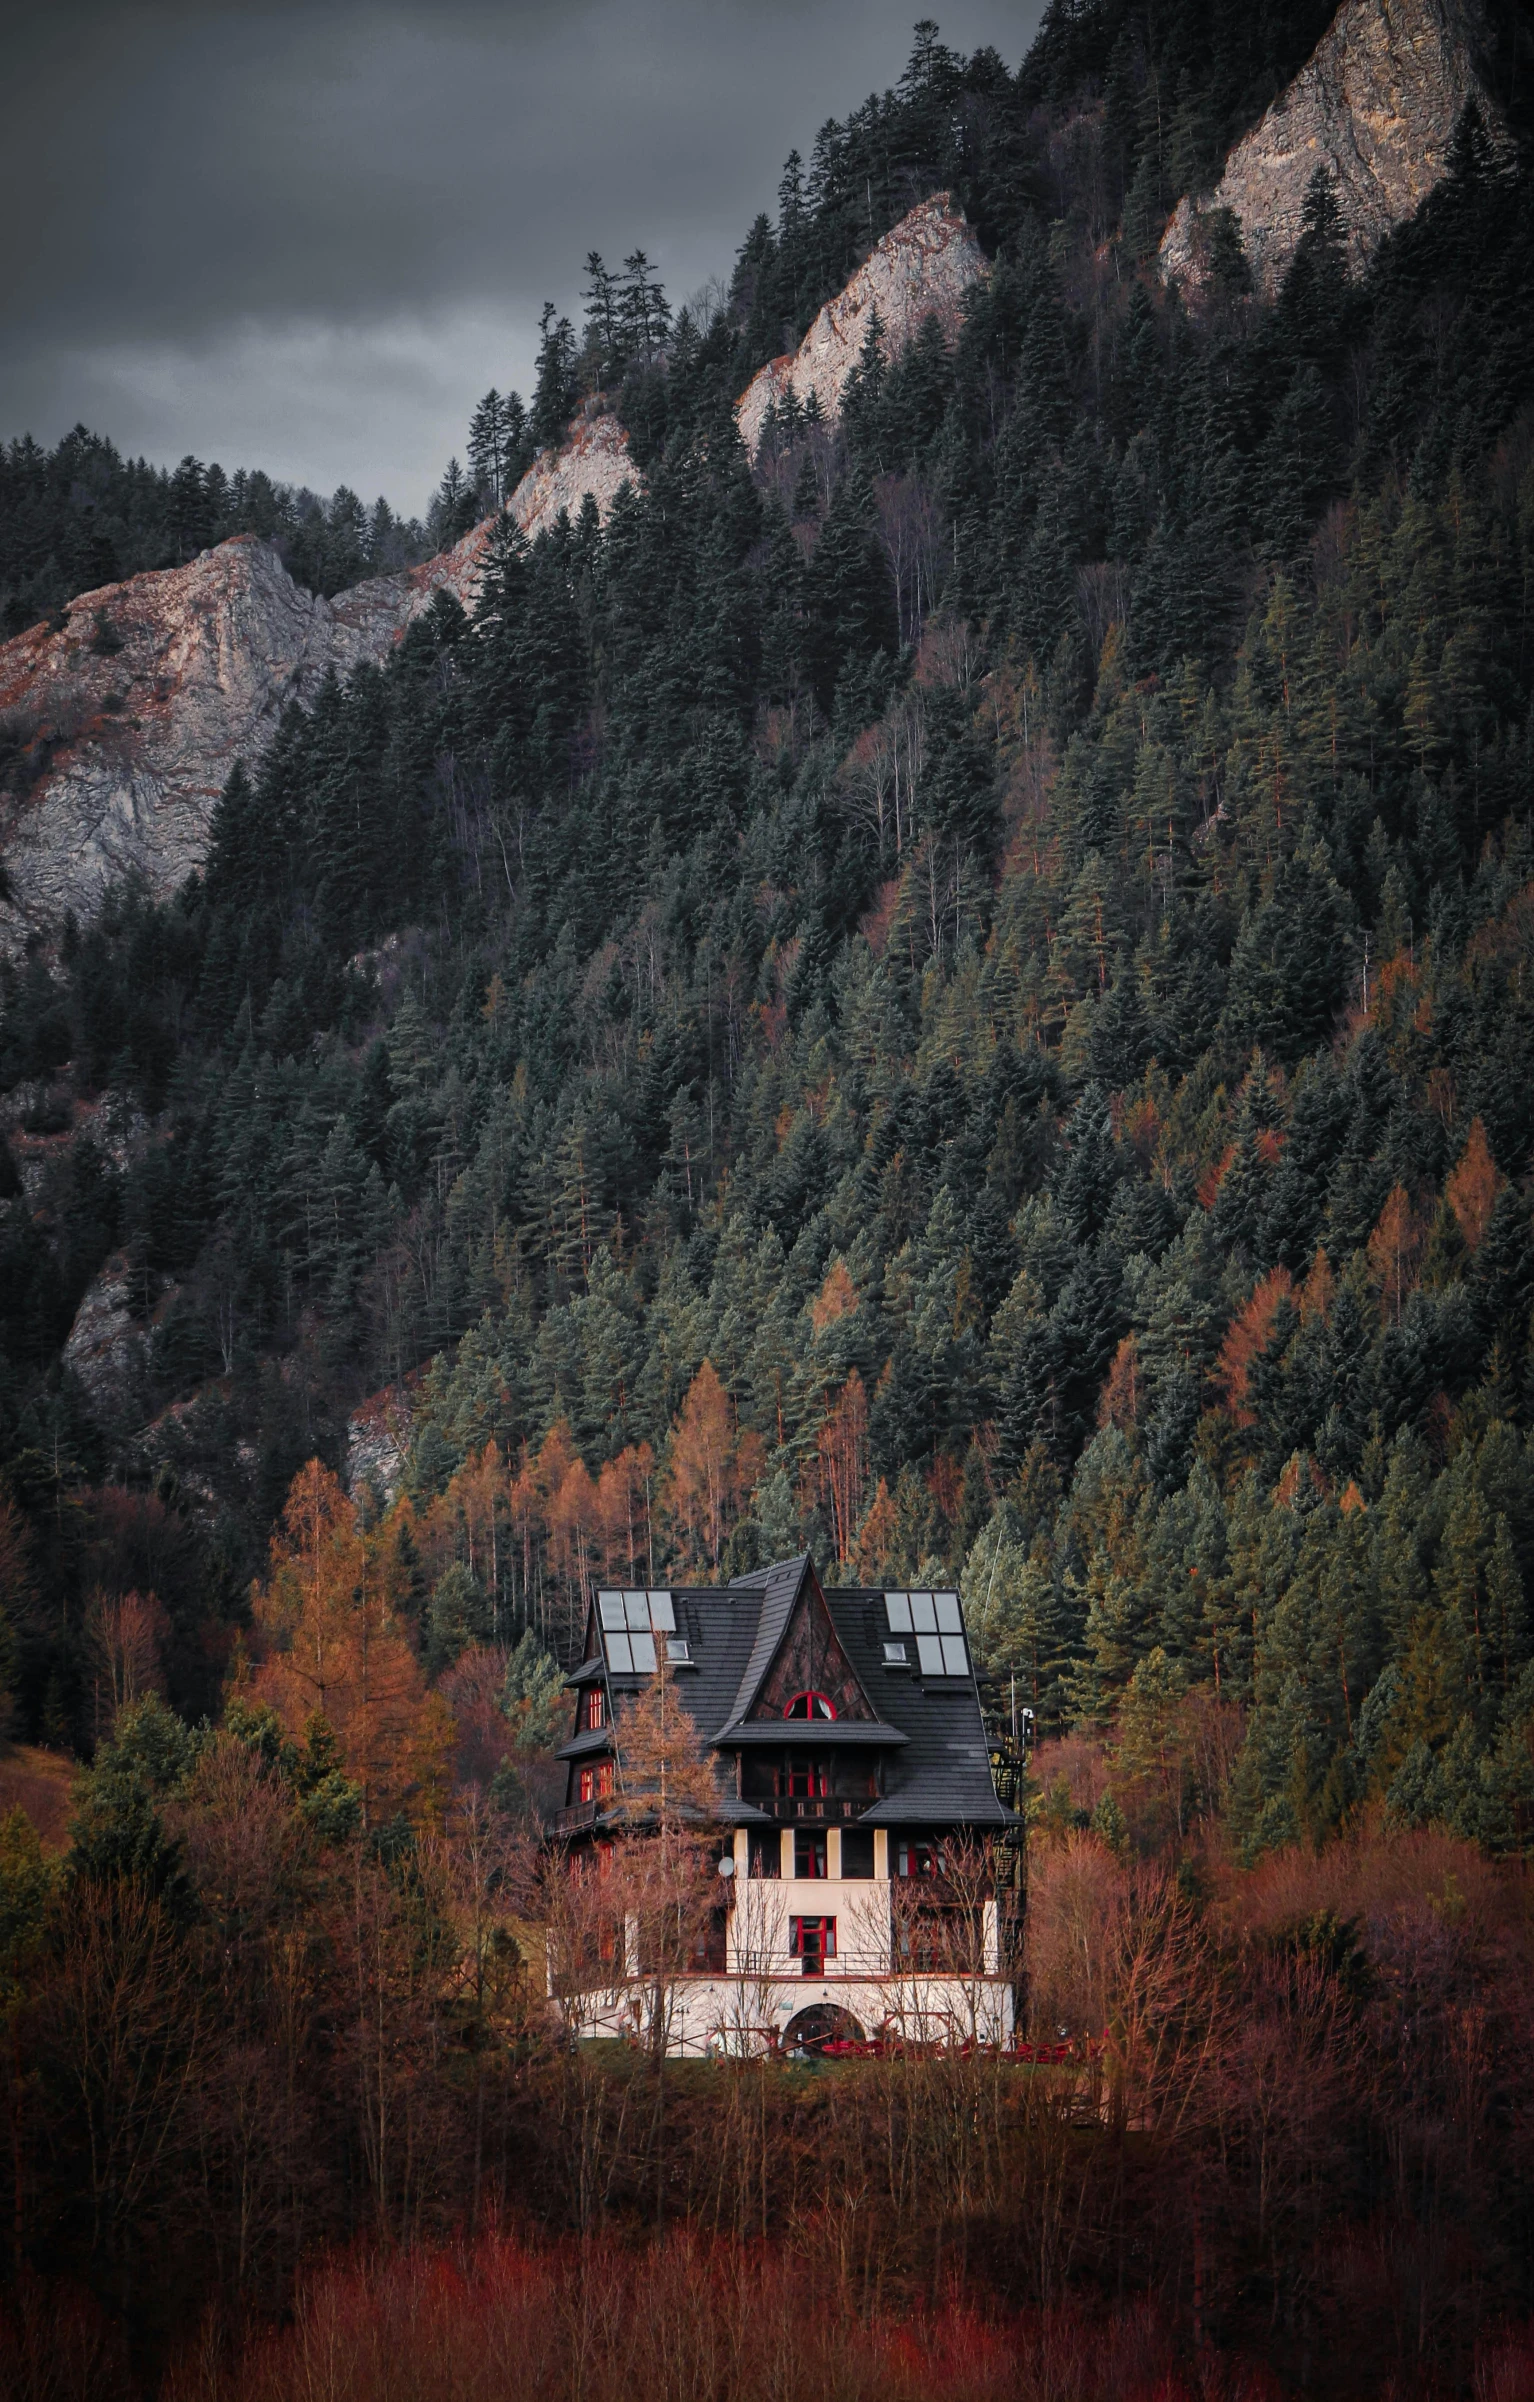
x=807 y=1657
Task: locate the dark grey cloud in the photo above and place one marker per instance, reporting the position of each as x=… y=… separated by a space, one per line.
x=306 y=235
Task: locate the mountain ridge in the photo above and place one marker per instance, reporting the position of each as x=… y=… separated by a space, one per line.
x=117 y=782
x=137 y=707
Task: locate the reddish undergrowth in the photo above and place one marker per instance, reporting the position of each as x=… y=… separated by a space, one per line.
x=676 y=2321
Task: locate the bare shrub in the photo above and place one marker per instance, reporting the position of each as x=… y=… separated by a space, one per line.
x=1078 y=1895
x=124 y=1636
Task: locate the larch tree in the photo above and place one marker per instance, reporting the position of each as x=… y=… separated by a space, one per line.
x=1473 y=1188
x=713 y=1468
x=332 y=1643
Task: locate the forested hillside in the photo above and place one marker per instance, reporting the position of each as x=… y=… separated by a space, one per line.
x=959 y=988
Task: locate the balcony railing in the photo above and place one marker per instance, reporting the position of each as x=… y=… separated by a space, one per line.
x=578 y=1815
x=812 y=1808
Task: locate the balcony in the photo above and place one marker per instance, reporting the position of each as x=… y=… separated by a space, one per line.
x=579 y=1815
x=809 y=1809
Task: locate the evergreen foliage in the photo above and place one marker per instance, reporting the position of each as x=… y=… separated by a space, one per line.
x=1018 y=904
x=80 y=515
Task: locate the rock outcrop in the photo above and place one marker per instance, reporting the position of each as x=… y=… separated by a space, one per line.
x=378 y=1436
x=922 y=267
x=122 y=725
x=1375 y=105
x=595 y=460
x=107 y=1347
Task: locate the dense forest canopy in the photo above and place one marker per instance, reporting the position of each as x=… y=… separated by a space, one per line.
x=981 y=951
x=80 y=515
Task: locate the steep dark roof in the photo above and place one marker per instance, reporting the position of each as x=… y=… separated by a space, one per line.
x=943 y=1774
x=590 y=1739
x=937 y=1764
x=779 y=1588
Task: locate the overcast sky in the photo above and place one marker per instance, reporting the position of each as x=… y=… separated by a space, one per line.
x=307 y=235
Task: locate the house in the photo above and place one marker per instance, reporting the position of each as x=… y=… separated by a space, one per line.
x=861 y=1863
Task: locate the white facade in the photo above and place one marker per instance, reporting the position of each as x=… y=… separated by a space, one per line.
x=797 y=1943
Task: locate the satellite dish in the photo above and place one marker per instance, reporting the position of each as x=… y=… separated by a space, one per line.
x=727 y=1866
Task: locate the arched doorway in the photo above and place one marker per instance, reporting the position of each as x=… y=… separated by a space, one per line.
x=809 y=2031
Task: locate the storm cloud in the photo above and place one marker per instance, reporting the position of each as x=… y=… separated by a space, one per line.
x=307 y=235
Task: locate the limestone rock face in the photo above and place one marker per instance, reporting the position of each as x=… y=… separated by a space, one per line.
x=107 y=1346
x=137 y=708
x=594 y=459
x=922 y=267
x=124 y=723
x=1376 y=106
x=378 y=1437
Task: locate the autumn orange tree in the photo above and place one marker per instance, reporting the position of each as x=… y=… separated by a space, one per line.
x=841 y=1450
x=713 y=1468
x=331 y=1647
x=670 y=1798
x=1394 y=1249
x=1472 y=1190
x=667 y=1781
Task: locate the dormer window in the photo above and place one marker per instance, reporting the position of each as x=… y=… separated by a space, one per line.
x=591 y=1707
x=810 y=1705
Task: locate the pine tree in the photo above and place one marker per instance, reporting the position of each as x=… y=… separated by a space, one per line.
x=606 y=345
x=863 y=395
x=847 y=589
x=644 y=312
x=488 y=448
x=556 y=392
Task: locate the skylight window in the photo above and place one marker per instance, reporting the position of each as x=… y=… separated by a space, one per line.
x=937 y=1623
x=630 y=1621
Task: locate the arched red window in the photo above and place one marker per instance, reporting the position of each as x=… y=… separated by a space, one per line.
x=811 y=1705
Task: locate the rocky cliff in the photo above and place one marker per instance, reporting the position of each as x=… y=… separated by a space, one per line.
x=1375 y=105
x=118 y=729
x=922 y=268
x=594 y=460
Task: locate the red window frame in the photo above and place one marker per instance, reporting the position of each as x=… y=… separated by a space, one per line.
x=918 y=1856
x=809 y=1704
x=812 y=1941
x=810 y=1846
x=596 y=1782
x=591 y=1706
x=803 y=1780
